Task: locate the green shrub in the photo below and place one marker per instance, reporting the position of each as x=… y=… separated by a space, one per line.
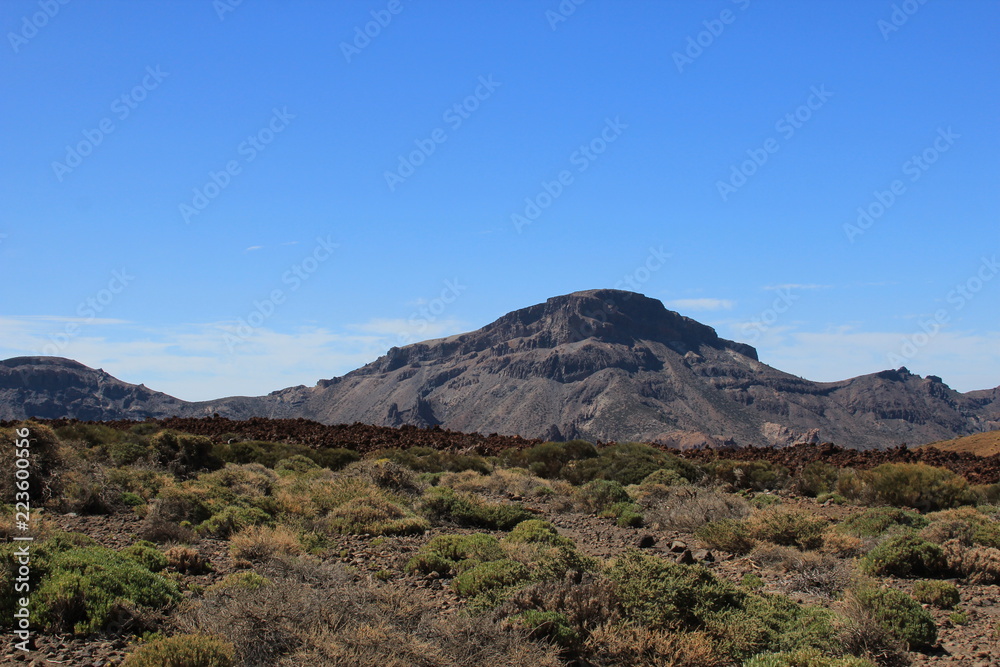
x=233 y=519
x=444 y=553
x=805 y=658
x=900 y=615
x=549 y=458
x=960 y=617
x=183 y=651
x=941 y=594
x=629 y=515
x=490 y=576
x=550 y=625
x=600 y=494
x=917 y=485
x=270 y=453
x=750 y=475
x=146 y=554
x=875 y=521
x=537 y=531
x=297 y=464
x=904 y=555
x=728 y=535
x=246 y=580
x=184 y=454
x=787 y=527
x=971 y=526
x=46 y=457
x=628 y=463
x=428 y=460
x=374 y=515
x=665 y=477
x=817 y=478
x=82 y=590
x=662 y=594
x=465 y=509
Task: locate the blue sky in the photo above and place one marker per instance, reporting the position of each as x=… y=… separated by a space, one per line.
x=220 y=198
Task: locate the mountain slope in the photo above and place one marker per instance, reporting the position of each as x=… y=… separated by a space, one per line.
x=599 y=364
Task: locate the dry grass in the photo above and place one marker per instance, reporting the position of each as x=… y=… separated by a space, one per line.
x=512 y=481
x=687 y=508
x=628 y=644
x=980 y=444
x=314 y=614
x=185 y=560
x=259 y=544
x=979 y=565
x=807 y=572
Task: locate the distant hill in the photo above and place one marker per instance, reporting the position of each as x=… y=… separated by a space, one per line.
x=980 y=444
x=600 y=364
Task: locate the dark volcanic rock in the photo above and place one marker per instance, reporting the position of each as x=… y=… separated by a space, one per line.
x=602 y=365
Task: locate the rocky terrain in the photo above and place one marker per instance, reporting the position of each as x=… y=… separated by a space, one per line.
x=601 y=365
x=247 y=542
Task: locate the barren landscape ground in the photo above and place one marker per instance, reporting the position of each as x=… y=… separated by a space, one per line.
x=207 y=544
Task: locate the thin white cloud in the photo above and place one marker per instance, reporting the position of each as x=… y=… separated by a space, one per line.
x=254 y=247
x=412 y=330
x=796 y=286
x=701 y=304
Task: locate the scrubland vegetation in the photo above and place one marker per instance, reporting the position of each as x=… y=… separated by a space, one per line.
x=259 y=553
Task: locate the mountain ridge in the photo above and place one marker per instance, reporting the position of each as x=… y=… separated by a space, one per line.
x=597 y=364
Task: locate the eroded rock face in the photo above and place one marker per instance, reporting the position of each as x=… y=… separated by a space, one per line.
x=600 y=364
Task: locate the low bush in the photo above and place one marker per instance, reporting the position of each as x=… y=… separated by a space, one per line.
x=428 y=460
x=898 y=614
x=727 y=535
x=444 y=553
x=191 y=650
x=548 y=625
x=875 y=521
x=184 y=454
x=373 y=515
x=750 y=475
x=186 y=560
x=464 y=509
x=941 y=594
x=628 y=463
x=970 y=525
x=233 y=519
x=979 y=565
x=615 y=644
x=627 y=514
x=269 y=454
x=817 y=478
x=146 y=554
x=688 y=508
x=549 y=458
x=805 y=658
x=904 y=555
x=600 y=494
x=261 y=543
x=84 y=590
x=490 y=576
x=916 y=485
x=787 y=527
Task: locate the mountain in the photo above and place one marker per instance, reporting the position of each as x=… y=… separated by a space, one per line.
x=600 y=365
x=52 y=387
